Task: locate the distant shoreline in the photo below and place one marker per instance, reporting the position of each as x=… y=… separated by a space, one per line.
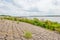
x=35 y=16
x=55 y=18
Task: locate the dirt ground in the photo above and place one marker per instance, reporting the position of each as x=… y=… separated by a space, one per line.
x=11 y=30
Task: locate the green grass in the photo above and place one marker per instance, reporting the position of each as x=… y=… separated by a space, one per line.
x=27 y=34
x=18 y=22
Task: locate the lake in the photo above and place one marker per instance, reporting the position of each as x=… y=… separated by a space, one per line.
x=55 y=19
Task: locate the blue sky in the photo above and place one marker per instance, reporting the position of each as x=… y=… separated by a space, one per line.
x=29 y=7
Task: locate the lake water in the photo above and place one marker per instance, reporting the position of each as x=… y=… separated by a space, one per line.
x=55 y=19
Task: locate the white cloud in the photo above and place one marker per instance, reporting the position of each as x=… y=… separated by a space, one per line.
x=30 y=7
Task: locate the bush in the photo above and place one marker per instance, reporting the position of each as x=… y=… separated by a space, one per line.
x=17 y=22
x=27 y=34
x=57 y=29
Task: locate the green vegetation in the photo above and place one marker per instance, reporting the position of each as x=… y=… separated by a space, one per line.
x=17 y=22
x=45 y=24
x=27 y=34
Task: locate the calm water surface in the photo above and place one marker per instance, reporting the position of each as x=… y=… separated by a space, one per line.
x=56 y=19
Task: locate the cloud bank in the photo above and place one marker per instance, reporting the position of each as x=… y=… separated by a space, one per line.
x=29 y=7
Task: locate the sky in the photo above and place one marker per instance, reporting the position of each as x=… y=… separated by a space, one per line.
x=29 y=7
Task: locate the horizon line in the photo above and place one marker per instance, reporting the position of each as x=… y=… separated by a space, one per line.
x=35 y=16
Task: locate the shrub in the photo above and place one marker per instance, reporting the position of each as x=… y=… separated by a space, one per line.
x=17 y=22
x=27 y=34
x=58 y=29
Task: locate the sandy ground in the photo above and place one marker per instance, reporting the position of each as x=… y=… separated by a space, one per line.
x=11 y=30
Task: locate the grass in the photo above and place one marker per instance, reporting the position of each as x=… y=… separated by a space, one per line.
x=27 y=34
x=17 y=22
x=58 y=29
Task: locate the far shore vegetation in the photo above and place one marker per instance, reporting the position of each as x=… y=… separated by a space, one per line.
x=47 y=24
